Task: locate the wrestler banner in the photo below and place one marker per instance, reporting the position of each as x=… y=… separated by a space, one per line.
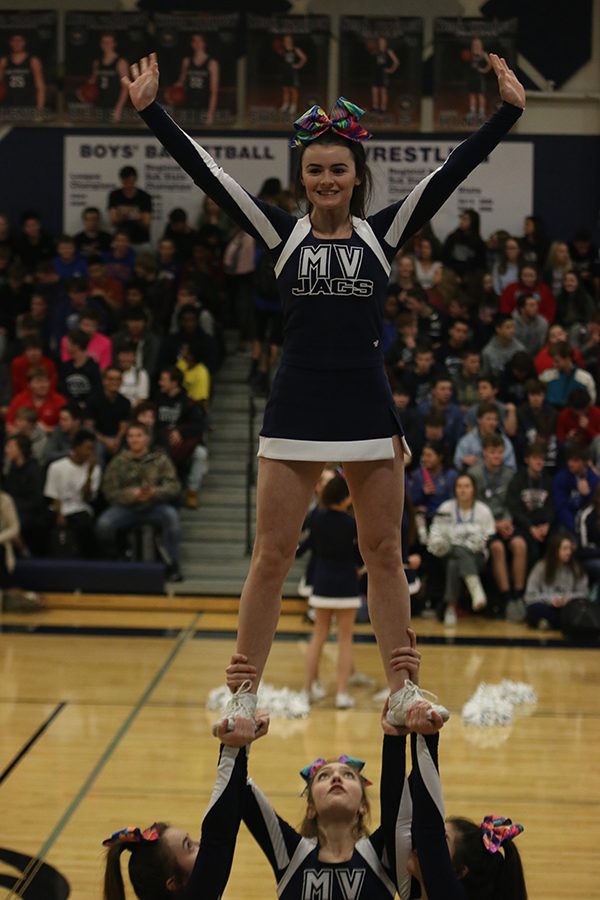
x=28 y=66
x=92 y=164
x=287 y=66
x=198 y=66
x=465 y=89
x=380 y=65
x=398 y=166
x=99 y=48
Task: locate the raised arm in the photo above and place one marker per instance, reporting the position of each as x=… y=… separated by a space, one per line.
x=222 y=818
x=276 y=838
x=393 y=839
x=429 y=831
x=267 y=224
x=398 y=222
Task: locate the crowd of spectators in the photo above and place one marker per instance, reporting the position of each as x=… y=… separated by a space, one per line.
x=108 y=345
x=493 y=352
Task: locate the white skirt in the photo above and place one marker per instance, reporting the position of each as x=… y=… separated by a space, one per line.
x=330 y=451
x=334 y=602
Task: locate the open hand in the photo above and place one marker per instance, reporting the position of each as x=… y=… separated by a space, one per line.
x=143 y=84
x=510 y=88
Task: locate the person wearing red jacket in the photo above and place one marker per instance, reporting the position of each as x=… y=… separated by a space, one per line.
x=31 y=358
x=40 y=397
x=579 y=422
x=529 y=283
x=545 y=360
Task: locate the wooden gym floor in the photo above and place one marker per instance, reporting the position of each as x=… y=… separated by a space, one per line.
x=103 y=724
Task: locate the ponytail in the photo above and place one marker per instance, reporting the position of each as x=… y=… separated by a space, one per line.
x=151 y=865
x=114 y=888
x=485 y=875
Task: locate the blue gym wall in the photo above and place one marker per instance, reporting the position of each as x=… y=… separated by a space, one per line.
x=566 y=180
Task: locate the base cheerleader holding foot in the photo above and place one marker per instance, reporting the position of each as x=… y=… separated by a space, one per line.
x=164 y=861
x=333 y=853
x=455 y=858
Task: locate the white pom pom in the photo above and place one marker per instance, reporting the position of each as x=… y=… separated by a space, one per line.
x=494 y=704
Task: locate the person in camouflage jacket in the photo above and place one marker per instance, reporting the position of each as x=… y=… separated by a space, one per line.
x=140 y=485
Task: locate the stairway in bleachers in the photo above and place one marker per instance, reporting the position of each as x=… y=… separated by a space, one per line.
x=213 y=548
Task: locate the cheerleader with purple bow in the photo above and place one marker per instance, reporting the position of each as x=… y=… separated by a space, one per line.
x=330 y=400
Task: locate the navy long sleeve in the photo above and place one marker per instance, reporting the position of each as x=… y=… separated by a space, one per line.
x=332 y=291
x=429 y=832
x=220 y=827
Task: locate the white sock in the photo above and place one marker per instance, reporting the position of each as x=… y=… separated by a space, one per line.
x=475 y=588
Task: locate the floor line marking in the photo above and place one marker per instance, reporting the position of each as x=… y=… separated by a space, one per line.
x=32 y=740
x=28 y=876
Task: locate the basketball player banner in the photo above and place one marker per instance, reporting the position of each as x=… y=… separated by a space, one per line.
x=465 y=90
x=380 y=65
x=92 y=163
x=287 y=68
x=99 y=48
x=198 y=66
x=28 y=42
x=398 y=166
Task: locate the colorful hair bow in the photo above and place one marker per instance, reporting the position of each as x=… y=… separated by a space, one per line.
x=495 y=831
x=308 y=772
x=343 y=120
x=133 y=835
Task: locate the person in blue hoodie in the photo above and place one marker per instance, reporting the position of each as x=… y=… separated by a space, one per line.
x=573 y=487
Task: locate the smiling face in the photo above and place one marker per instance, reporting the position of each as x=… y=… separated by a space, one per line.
x=570 y=282
x=336 y=793
x=329 y=177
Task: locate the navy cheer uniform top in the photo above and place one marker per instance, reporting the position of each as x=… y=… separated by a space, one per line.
x=377 y=868
x=331 y=399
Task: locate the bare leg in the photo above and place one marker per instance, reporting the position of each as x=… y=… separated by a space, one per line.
x=315 y=646
x=374 y=97
x=283 y=493
x=384 y=99
x=518 y=548
x=345 y=626
x=498 y=554
x=377 y=490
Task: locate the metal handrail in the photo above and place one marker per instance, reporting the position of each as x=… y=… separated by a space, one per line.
x=250 y=476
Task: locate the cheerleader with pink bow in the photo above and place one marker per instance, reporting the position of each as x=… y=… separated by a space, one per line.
x=330 y=400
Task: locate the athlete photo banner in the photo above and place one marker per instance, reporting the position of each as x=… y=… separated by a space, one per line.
x=380 y=64
x=287 y=68
x=28 y=66
x=197 y=55
x=465 y=90
x=99 y=48
x=398 y=166
x=92 y=163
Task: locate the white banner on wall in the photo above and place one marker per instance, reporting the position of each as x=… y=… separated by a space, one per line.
x=500 y=189
x=92 y=164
